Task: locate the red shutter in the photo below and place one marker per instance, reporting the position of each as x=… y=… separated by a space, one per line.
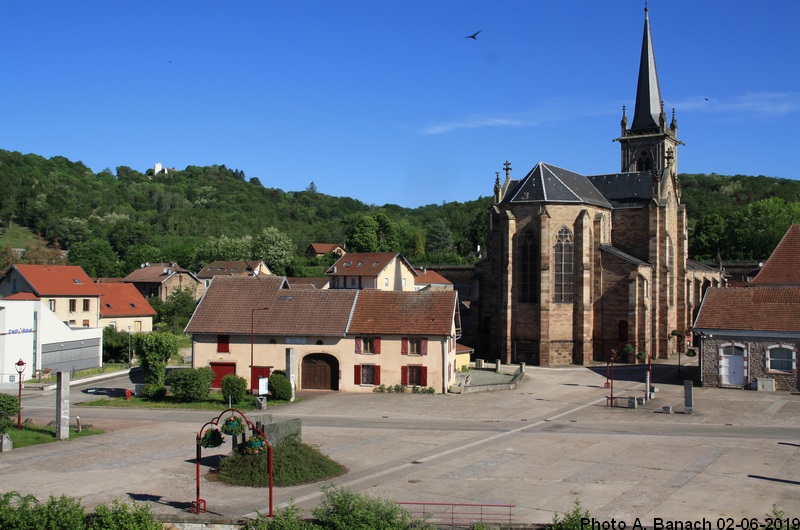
x=377 y=343
x=424 y=346
x=404 y=346
x=404 y=375
x=377 y=379
x=358 y=345
x=423 y=376
x=357 y=371
x=223 y=343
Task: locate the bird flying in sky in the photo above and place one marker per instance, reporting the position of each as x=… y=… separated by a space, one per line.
x=473 y=36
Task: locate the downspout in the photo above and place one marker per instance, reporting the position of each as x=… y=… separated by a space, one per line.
x=444 y=366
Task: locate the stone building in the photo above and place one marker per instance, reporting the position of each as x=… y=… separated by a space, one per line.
x=579 y=265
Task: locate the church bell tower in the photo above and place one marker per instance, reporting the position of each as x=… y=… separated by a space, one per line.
x=649 y=144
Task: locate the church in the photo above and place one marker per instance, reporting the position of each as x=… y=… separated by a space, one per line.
x=579 y=266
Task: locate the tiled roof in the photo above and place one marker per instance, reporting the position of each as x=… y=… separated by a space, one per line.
x=783 y=266
x=404 y=312
x=227 y=268
x=429 y=277
x=233 y=304
x=364 y=263
x=58 y=280
x=324 y=248
x=307 y=283
x=460 y=348
x=123 y=300
x=550 y=184
x=156 y=273
x=750 y=309
x=22 y=296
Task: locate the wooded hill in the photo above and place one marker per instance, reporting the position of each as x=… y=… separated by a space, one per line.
x=112 y=222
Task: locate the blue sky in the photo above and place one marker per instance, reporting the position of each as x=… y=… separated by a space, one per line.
x=388 y=102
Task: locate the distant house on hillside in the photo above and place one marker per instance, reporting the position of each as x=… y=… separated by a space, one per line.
x=160 y=279
x=232 y=268
x=317 y=250
x=428 y=279
x=386 y=271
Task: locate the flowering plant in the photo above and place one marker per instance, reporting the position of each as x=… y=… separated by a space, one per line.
x=255 y=445
x=211 y=438
x=233 y=426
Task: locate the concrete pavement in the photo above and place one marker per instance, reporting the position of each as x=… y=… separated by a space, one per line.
x=538 y=447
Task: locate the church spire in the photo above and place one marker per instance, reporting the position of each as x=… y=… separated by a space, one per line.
x=647 y=112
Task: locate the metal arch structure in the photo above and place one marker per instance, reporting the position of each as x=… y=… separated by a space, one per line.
x=199 y=505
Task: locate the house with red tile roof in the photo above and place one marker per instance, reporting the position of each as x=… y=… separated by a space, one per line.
x=342 y=339
x=233 y=268
x=749 y=337
x=66 y=289
x=124 y=308
x=161 y=279
x=317 y=250
x=429 y=279
x=386 y=271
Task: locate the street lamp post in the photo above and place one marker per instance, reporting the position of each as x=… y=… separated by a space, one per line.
x=129 y=346
x=20 y=367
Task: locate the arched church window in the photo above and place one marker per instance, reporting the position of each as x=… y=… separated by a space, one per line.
x=529 y=279
x=643 y=162
x=563 y=253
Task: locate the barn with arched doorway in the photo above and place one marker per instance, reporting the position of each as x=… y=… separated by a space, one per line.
x=319 y=371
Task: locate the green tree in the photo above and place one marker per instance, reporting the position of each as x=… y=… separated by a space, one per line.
x=154 y=350
x=362 y=236
x=174 y=314
x=387 y=234
x=274 y=248
x=96 y=257
x=439 y=237
x=9 y=407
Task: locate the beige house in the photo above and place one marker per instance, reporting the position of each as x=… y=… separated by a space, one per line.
x=66 y=289
x=428 y=279
x=342 y=339
x=385 y=271
x=317 y=250
x=161 y=279
x=124 y=308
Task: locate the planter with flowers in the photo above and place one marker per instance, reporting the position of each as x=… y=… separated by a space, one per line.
x=233 y=426
x=255 y=445
x=211 y=438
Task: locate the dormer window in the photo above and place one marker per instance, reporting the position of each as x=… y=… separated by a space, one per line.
x=77 y=281
x=360 y=264
x=347 y=264
x=376 y=263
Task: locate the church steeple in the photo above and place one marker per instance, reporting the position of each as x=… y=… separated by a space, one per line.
x=649 y=141
x=648 y=111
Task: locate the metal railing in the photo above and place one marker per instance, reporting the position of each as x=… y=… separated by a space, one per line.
x=459 y=514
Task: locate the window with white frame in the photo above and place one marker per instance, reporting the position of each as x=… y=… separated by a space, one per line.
x=780 y=359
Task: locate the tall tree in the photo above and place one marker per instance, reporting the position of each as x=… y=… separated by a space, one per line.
x=274 y=248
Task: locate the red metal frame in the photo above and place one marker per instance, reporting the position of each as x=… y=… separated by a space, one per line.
x=460 y=513
x=199 y=505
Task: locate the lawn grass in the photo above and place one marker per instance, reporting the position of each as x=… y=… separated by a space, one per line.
x=215 y=401
x=41 y=434
x=79 y=374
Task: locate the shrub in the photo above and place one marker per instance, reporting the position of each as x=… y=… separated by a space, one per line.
x=279 y=387
x=122 y=516
x=234 y=387
x=571 y=520
x=191 y=384
x=344 y=509
x=27 y=513
x=154 y=391
x=9 y=407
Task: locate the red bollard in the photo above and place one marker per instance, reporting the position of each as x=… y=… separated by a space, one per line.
x=128 y=394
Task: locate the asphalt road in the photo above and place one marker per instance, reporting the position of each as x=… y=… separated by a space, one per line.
x=538 y=447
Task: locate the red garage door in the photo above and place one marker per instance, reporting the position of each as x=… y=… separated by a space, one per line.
x=220 y=371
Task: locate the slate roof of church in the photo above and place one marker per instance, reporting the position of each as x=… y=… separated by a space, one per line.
x=747 y=309
x=625 y=189
x=551 y=184
x=782 y=266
